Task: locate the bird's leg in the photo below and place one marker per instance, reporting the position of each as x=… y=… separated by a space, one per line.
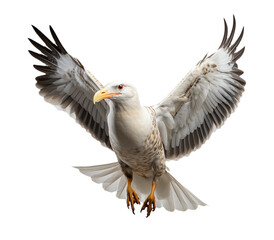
x=132 y=196
x=149 y=203
x=158 y=168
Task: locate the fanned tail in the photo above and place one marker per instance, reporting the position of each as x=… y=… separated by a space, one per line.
x=169 y=193
x=174 y=196
x=110 y=175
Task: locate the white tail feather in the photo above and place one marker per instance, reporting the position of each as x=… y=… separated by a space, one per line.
x=169 y=193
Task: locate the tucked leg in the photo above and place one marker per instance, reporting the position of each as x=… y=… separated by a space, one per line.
x=132 y=196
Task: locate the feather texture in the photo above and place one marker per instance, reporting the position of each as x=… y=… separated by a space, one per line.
x=203 y=100
x=69 y=86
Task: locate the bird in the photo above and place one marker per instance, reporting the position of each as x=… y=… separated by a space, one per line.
x=144 y=138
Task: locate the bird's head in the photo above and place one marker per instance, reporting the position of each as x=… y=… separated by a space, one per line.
x=117 y=92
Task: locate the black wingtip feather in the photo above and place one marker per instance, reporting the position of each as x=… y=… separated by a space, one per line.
x=44 y=50
x=230 y=38
x=37 y=45
x=226 y=42
x=237 y=42
x=57 y=41
x=35 y=55
x=225 y=34
x=35 y=28
x=44 y=69
x=42 y=58
x=49 y=43
x=238 y=54
x=237 y=71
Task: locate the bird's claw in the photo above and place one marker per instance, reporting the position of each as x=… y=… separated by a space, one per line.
x=132 y=198
x=149 y=203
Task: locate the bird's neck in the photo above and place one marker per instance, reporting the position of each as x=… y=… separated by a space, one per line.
x=129 y=125
x=127 y=107
x=128 y=113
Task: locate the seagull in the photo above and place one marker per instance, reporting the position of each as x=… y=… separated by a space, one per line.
x=144 y=137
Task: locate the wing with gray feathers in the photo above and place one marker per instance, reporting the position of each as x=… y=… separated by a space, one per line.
x=203 y=100
x=68 y=85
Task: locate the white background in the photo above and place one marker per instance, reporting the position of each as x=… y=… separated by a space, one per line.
x=151 y=44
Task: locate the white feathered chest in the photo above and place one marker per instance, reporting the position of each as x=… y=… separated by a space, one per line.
x=136 y=140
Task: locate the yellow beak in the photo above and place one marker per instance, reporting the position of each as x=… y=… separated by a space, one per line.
x=102 y=94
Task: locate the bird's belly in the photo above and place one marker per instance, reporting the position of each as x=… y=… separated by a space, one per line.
x=140 y=160
x=140 y=155
x=134 y=152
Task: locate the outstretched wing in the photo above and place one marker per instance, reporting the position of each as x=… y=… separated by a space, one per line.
x=68 y=85
x=203 y=100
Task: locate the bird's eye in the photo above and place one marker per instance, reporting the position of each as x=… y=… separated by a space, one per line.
x=120 y=87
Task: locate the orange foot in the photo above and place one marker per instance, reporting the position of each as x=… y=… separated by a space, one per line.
x=131 y=196
x=150 y=201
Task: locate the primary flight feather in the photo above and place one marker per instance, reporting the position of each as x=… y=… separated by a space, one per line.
x=143 y=138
